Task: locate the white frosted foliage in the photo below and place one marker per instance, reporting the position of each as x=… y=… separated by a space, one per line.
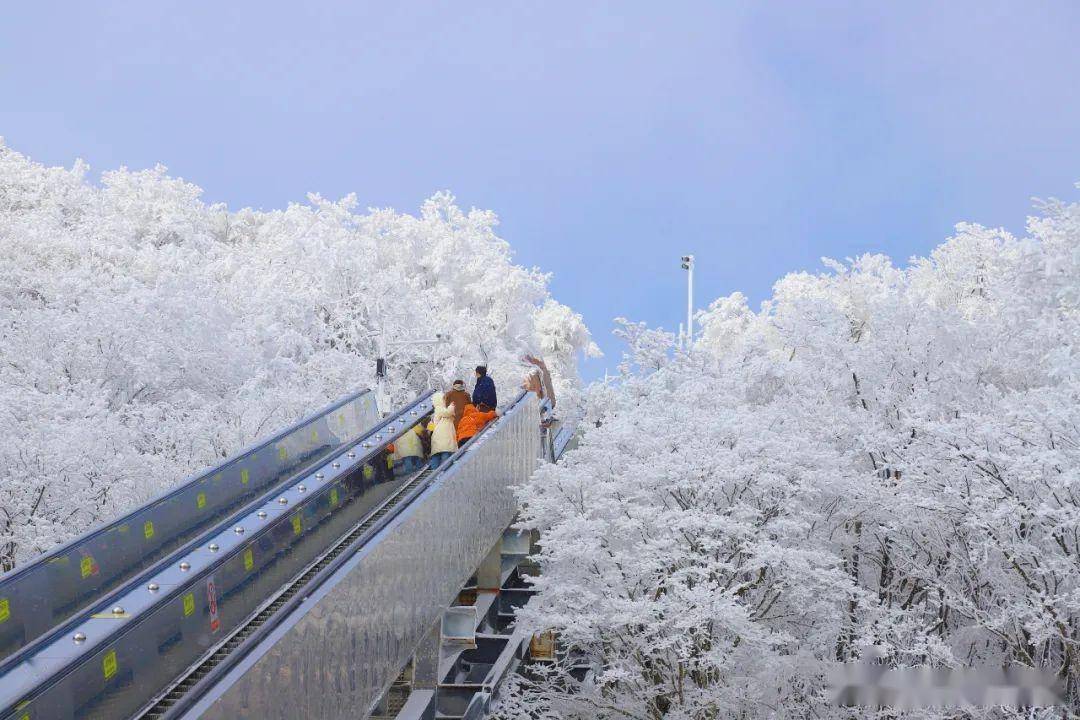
x=880 y=456
x=145 y=335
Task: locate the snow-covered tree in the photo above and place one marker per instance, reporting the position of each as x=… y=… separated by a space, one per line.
x=145 y=334
x=880 y=457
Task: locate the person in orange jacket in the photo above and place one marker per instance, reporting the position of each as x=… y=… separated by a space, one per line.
x=473 y=421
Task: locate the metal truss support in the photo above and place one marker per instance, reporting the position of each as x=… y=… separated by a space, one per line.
x=489 y=574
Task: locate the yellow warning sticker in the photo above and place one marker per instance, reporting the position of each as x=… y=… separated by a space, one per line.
x=108 y=664
x=314 y=435
x=86 y=566
x=148 y=529
x=333 y=497
x=244 y=476
x=282 y=454
x=217 y=478
x=249 y=559
x=189 y=604
x=341 y=419
x=5 y=609
x=297 y=525
x=200 y=500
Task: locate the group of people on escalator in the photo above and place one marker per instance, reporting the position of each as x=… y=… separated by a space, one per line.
x=456 y=419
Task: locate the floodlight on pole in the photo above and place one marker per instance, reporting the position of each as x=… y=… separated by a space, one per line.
x=688 y=266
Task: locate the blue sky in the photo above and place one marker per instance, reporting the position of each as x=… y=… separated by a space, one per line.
x=610 y=137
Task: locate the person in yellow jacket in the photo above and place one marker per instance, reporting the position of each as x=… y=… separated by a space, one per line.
x=408 y=452
x=443 y=434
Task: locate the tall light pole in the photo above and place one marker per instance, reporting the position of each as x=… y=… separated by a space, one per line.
x=688 y=266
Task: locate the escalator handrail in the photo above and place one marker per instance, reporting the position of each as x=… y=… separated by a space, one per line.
x=135 y=581
x=107 y=525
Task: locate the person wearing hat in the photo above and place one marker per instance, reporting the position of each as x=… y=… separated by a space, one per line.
x=460 y=398
x=484 y=392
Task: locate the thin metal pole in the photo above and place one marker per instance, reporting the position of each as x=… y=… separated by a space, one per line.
x=380 y=380
x=690 y=308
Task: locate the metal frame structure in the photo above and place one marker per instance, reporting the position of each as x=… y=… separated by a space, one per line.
x=307 y=600
x=304 y=601
x=338 y=650
x=457 y=670
x=458 y=667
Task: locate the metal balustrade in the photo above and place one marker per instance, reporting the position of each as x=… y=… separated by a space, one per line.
x=328 y=580
x=36 y=597
x=60 y=658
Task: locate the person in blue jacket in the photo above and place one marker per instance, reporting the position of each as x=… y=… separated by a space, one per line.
x=484 y=392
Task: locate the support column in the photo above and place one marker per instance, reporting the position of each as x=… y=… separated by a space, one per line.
x=489 y=574
x=426 y=659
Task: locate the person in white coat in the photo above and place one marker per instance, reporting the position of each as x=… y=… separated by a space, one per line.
x=443 y=432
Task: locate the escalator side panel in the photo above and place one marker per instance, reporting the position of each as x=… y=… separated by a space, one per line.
x=117 y=669
x=38 y=596
x=338 y=651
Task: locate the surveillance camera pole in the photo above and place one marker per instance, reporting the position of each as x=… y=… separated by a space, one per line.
x=688 y=265
x=690 y=307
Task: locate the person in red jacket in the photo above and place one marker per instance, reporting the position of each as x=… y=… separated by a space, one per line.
x=473 y=421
